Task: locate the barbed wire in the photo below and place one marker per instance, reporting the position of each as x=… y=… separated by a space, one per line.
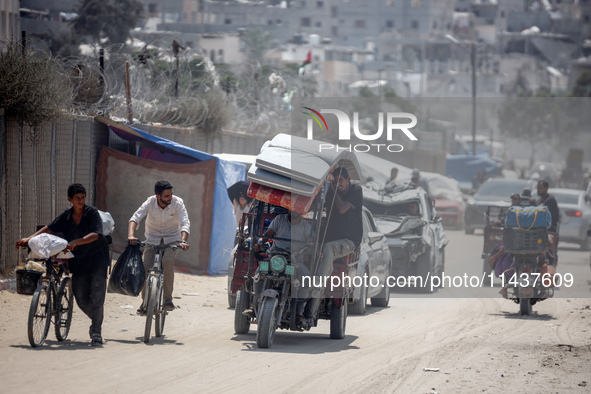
x=183 y=89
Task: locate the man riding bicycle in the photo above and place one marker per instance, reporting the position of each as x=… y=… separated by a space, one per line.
x=167 y=223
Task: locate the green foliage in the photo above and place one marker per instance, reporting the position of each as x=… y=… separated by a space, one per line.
x=63 y=45
x=112 y=19
x=33 y=88
x=257 y=43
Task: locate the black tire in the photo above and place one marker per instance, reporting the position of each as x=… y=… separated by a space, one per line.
x=468 y=230
x=486 y=268
x=65 y=305
x=151 y=294
x=524 y=306
x=160 y=314
x=39 y=315
x=359 y=307
x=383 y=299
x=338 y=321
x=232 y=300
x=266 y=323
x=586 y=244
x=425 y=271
x=241 y=322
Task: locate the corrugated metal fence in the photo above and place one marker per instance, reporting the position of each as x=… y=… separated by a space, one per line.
x=37 y=174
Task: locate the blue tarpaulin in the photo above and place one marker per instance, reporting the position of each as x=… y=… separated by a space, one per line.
x=464 y=168
x=223 y=224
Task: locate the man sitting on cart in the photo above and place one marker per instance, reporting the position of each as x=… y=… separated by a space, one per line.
x=289 y=226
x=343 y=231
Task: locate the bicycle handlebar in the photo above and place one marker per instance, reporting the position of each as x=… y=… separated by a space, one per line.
x=158 y=247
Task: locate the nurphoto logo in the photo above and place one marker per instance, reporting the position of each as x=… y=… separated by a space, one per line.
x=395 y=122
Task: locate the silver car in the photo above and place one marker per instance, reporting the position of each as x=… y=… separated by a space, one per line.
x=575 y=216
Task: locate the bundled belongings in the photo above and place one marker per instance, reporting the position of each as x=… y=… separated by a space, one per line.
x=527 y=218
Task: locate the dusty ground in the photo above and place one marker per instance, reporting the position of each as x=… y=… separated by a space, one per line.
x=478 y=344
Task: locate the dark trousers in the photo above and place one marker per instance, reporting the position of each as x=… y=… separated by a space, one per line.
x=89 y=289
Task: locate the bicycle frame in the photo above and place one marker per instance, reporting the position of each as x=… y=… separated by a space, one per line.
x=153 y=289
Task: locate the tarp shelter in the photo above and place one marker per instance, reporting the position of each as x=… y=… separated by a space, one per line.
x=463 y=168
x=125 y=181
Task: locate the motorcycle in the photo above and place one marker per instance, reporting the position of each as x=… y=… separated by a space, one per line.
x=531 y=279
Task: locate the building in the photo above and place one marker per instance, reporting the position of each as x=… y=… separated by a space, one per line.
x=10 y=19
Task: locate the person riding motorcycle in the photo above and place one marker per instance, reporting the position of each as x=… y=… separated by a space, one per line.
x=290 y=226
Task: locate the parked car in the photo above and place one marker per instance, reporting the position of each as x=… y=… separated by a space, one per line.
x=493 y=192
x=575 y=216
x=417 y=242
x=375 y=260
x=449 y=200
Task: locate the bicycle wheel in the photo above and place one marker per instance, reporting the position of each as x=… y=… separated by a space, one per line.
x=152 y=292
x=39 y=315
x=160 y=313
x=65 y=306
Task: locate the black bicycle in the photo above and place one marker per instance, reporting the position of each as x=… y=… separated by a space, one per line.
x=154 y=289
x=53 y=297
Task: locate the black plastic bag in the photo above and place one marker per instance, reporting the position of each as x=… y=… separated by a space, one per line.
x=128 y=275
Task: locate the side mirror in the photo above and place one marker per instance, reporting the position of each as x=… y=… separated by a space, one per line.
x=437 y=219
x=374 y=237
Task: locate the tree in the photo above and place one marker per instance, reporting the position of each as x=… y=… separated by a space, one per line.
x=111 y=19
x=257 y=43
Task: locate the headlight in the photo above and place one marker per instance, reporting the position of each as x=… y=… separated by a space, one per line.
x=278 y=263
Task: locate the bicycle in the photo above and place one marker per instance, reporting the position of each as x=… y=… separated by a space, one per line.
x=53 y=297
x=153 y=293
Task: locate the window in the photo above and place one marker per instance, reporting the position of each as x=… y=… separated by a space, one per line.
x=318 y=24
x=502 y=14
x=586 y=18
x=360 y=23
x=320 y=4
x=278 y=22
x=305 y=22
x=228 y=21
x=389 y=24
x=270 y=22
x=152 y=8
x=334 y=30
x=303 y=3
x=414 y=24
x=333 y=11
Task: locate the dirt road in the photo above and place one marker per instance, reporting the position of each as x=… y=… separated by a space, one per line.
x=478 y=345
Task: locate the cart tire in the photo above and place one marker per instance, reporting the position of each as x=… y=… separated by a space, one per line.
x=486 y=268
x=468 y=230
x=65 y=305
x=524 y=306
x=359 y=306
x=152 y=291
x=241 y=322
x=39 y=315
x=231 y=300
x=338 y=321
x=266 y=323
x=383 y=299
x=424 y=270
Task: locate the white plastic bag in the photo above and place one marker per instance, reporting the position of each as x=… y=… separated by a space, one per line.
x=45 y=245
x=108 y=222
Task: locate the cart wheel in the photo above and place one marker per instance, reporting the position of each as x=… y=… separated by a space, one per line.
x=524 y=306
x=267 y=323
x=338 y=320
x=241 y=322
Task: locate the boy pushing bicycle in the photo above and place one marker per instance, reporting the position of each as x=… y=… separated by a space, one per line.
x=167 y=223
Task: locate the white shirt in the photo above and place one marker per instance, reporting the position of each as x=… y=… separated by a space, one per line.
x=163 y=224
